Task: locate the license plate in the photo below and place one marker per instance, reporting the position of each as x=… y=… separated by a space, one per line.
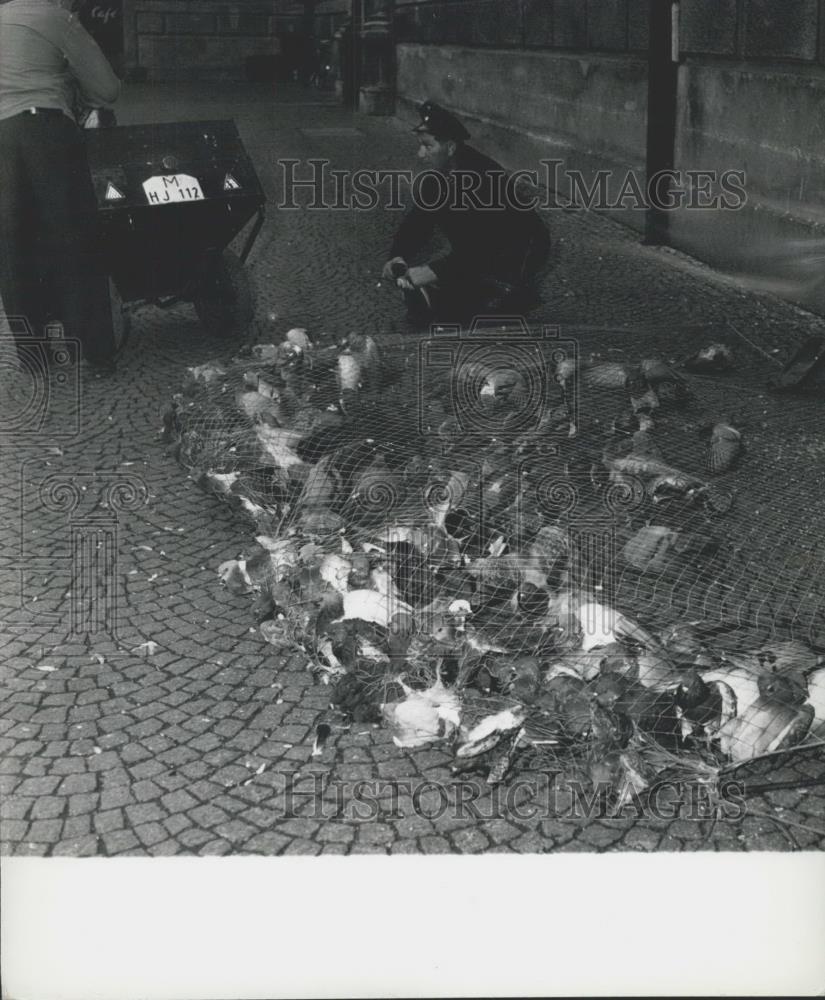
x=168 y=188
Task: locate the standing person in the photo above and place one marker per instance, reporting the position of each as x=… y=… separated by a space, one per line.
x=497 y=245
x=48 y=215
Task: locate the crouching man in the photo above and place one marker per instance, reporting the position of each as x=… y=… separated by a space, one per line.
x=499 y=246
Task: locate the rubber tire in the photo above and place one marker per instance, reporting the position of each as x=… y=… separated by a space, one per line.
x=225 y=302
x=121 y=319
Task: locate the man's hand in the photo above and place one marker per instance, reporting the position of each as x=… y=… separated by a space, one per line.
x=420 y=277
x=394 y=269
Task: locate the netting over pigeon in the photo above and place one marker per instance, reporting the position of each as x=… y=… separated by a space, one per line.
x=504 y=541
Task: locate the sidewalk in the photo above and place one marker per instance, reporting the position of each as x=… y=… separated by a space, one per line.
x=195 y=745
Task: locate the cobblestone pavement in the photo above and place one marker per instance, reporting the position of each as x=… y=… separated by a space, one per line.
x=202 y=744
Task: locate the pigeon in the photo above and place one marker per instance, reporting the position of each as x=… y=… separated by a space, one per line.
x=367 y=358
x=704 y=705
x=724 y=448
x=279 y=444
x=669 y=386
x=715 y=359
x=643 y=398
x=592 y=373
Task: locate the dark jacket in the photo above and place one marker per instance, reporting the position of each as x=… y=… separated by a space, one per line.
x=487 y=233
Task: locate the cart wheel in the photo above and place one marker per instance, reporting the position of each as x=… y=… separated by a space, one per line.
x=121 y=319
x=225 y=302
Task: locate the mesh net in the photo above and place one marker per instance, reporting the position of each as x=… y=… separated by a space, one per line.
x=540 y=549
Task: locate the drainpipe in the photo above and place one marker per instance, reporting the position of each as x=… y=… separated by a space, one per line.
x=662 y=88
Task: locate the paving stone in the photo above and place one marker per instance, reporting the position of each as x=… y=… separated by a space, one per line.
x=32 y=850
x=165 y=849
x=374 y=833
x=601 y=835
x=670 y=844
x=232 y=775
x=340 y=849
x=228 y=728
x=119 y=841
x=37 y=787
x=177 y=823
x=120 y=795
x=35 y=768
x=500 y=831
x=333 y=832
x=405 y=847
x=17 y=808
x=150 y=833
x=235 y=831
x=194 y=837
x=205 y=743
x=686 y=829
x=116 y=777
x=268 y=843
x=83 y=803
x=103 y=761
x=145 y=812
x=145 y=791
x=109 y=820
x=208 y=816
x=24 y=749
x=204 y=790
x=45 y=831
x=77 y=826
x=179 y=801
x=229 y=803
x=435 y=845
x=305 y=847
x=414 y=826
x=196 y=769
x=48 y=808
x=77 y=783
x=470 y=841
x=304 y=828
x=81 y=847
x=148 y=769
x=49 y=715
x=574 y=847
x=12 y=831
x=108 y=741
x=641 y=838
x=146 y=728
x=814 y=805
x=355 y=772
x=530 y=843
x=134 y=753
x=402 y=768
x=215 y=848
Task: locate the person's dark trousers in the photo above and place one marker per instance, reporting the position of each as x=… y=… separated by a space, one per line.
x=507 y=285
x=50 y=262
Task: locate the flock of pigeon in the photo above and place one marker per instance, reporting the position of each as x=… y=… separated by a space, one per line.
x=441 y=588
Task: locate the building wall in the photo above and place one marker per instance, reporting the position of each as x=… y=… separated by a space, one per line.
x=533 y=108
x=212 y=39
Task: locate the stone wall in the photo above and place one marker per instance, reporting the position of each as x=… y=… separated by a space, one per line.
x=207 y=39
x=212 y=39
x=588 y=110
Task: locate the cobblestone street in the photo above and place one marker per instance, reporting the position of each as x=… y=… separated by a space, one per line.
x=202 y=744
